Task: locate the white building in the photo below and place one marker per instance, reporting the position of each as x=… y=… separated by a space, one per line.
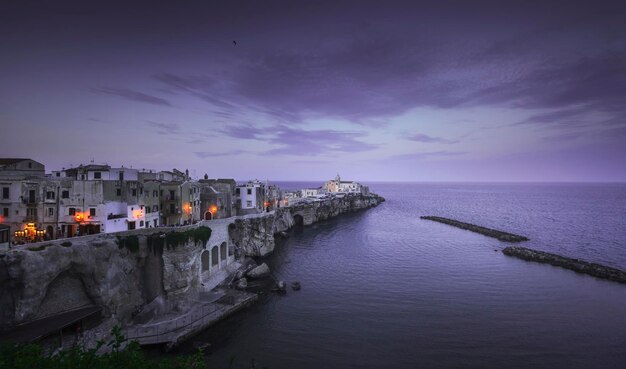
x=338 y=186
x=250 y=197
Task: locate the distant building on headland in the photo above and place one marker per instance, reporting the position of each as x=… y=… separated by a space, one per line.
x=338 y=186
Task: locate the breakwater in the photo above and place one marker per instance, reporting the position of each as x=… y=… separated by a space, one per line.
x=576 y=265
x=500 y=235
x=139 y=278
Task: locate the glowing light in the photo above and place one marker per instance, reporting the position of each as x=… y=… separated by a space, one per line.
x=138 y=213
x=187 y=207
x=213 y=209
x=79 y=217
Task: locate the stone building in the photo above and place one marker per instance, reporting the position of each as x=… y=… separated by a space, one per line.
x=250 y=197
x=22 y=189
x=171 y=203
x=338 y=186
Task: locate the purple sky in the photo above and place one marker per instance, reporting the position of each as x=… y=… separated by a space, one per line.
x=394 y=91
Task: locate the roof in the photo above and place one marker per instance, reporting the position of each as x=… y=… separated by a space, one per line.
x=9 y=161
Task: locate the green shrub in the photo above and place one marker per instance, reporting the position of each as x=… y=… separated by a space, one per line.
x=32 y=356
x=173 y=239
x=131 y=242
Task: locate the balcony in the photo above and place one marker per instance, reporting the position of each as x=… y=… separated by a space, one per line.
x=172 y=198
x=30 y=219
x=31 y=200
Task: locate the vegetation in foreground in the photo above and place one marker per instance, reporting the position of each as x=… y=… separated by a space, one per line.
x=121 y=355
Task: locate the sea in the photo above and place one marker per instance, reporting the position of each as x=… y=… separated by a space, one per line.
x=382 y=288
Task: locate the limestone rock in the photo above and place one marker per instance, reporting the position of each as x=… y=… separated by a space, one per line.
x=260 y=271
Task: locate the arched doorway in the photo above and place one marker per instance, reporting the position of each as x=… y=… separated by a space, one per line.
x=208 y=215
x=298 y=219
x=215 y=258
x=223 y=251
x=50 y=232
x=204 y=258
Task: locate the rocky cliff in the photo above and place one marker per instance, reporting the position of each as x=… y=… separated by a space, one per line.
x=255 y=236
x=43 y=279
x=126 y=280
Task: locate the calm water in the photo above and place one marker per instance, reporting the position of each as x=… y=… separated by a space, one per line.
x=384 y=289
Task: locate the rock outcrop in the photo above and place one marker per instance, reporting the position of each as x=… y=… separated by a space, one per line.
x=260 y=271
x=43 y=280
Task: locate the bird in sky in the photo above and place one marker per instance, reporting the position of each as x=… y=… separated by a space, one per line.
x=234 y=42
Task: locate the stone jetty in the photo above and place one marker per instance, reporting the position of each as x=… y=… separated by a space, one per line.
x=579 y=266
x=502 y=236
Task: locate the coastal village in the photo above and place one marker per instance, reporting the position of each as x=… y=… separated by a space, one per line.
x=36 y=205
x=158 y=253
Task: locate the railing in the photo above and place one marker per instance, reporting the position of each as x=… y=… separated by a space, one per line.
x=31 y=201
x=170 y=331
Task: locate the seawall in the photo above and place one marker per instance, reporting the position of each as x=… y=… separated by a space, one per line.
x=500 y=235
x=578 y=266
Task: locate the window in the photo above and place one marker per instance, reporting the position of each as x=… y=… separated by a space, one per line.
x=50 y=212
x=97 y=175
x=58 y=174
x=118 y=192
x=155 y=208
x=172 y=209
x=122 y=178
x=31 y=213
x=5 y=212
x=31 y=196
x=155 y=193
x=30 y=165
x=249 y=191
x=131 y=225
x=141 y=223
x=72 y=211
x=5 y=192
x=92 y=212
x=65 y=194
x=50 y=195
x=134 y=192
x=238 y=191
x=249 y=204
x=171 y=195
x=82 y=177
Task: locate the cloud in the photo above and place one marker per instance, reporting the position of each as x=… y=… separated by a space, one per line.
x=301 y=142
x=209 y=154
x=166 y=129
x=202 y=87
x=426 y=155
x=568 y=90
x=132 y=95
x=419 y=137
x=243 y=131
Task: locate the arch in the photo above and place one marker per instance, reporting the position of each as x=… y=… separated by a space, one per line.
x=298 y=219
x=66 y=292
x=215 y=256
x=208 y=215
x=50 y=231
x=204 y=258
x=223 y=251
